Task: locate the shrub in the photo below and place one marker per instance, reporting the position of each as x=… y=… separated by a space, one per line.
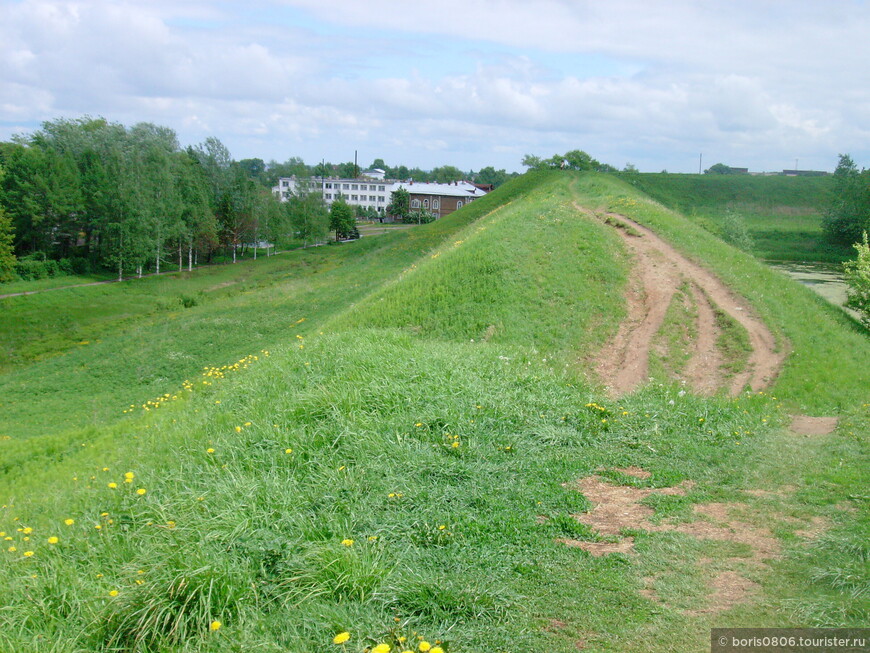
x=857 y=275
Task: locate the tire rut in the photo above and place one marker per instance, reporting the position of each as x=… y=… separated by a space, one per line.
x=658 y=271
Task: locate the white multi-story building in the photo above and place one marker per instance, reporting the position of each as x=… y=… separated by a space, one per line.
x=372 y=191
x=367 y=191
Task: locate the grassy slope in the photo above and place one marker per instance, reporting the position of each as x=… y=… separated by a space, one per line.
x=535 y=274
x=127 y=344
x=255 y=533
x=782 y=214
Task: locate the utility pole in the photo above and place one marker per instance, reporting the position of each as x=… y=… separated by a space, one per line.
x=355 y=166
x=700 y=157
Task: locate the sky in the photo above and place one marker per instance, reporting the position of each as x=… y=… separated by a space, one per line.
x=762 y=84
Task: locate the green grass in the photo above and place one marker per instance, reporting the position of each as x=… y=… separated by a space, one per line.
x=536 y=274
x=783 y=215
x=804 y=324
x=670 y=351
x=255 y=478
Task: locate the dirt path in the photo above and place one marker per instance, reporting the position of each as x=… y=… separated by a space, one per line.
x=658 y=271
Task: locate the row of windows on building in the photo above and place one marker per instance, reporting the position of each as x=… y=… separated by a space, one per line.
x=285 y=183
x=336 y=186
x=356 y=198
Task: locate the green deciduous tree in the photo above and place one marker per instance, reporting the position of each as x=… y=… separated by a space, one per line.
x=7 y=250
x=308 y=215
x=857 y=274
x=848 y=216
x=341 y=220
x=400 y=204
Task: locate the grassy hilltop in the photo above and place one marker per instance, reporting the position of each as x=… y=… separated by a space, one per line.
x=385 y=438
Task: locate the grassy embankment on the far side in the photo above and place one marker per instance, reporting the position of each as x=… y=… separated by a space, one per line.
x=783 y=215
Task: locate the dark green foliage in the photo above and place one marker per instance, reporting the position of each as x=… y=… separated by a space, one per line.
x=7 y=253
x=719 y=169
x=400 y=204
x=848 y=215
x=858 y=277
x=308 y=215
x=342 y=221
x=572 y=160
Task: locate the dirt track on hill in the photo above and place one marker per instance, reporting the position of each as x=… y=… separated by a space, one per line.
x=657 y=273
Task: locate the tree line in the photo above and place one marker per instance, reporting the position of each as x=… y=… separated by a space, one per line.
x=847 y=221
x=86 y=194
x=268 y=173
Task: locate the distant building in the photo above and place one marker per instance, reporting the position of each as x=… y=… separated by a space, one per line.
x=372 y=192
x=805 y=173
x=441 y=199
x=365 y=191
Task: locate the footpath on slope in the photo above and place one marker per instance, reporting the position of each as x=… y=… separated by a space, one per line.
x=658 y=271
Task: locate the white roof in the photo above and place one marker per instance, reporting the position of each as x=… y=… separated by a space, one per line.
x=462 y=188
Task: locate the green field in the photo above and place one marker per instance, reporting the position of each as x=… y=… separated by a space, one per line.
x=783 y=215
x=384 y=438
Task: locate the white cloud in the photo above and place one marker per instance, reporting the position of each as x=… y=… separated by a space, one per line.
x=426 y=81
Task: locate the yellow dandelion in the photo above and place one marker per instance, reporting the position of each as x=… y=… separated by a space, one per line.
x=12 y=549
x=341 y=638
x=27 y=554
x=347 y=542
x=69 y=522
x=98 y=527
x=113 y=485
x=455 y=445
x=209 y=450
x=424 y=646
x=53 y=540
x=436 y=649
x=288 y=450
x=113 y=593
x=381 y=648
x=141 y=491
x=130 y=475
x=27 y=531
x=238 y=429
x=215 y=625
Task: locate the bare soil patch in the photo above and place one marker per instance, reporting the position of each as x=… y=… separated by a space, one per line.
x=658 y=271
x=729 y=589
x=618 y=508
x=637 y=472
x=806 y=425
x=815 y=527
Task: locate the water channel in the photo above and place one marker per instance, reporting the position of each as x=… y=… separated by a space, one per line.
x=824 y=278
